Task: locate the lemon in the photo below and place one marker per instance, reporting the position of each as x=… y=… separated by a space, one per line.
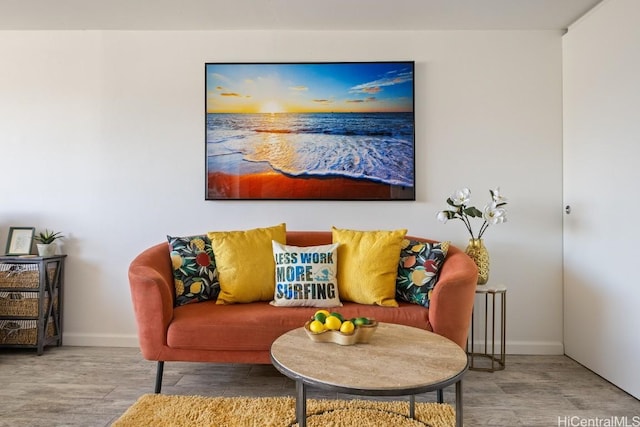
x=347 y=327
x=195 y=288
x=332 y=323
x=316 y=326
x=176 y=261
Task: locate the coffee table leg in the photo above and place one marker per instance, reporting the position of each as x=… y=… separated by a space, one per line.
x=301 y=404
x=412 y=407
x=459 y=404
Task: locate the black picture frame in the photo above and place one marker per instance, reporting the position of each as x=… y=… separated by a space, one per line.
x=20 y=240
x=310 y=130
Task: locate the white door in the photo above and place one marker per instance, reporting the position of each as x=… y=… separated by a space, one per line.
x=601 y=65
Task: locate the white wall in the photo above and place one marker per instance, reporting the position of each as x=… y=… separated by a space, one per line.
x=102 y=138
x=602 y=132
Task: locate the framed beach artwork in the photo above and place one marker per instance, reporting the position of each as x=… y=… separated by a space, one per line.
x=310 y=131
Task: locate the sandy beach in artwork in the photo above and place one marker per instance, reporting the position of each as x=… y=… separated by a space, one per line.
x=274 y=185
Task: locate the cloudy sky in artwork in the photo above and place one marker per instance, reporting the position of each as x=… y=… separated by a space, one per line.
x=309 y=87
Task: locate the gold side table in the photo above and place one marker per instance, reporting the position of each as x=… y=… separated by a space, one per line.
x=497 y=361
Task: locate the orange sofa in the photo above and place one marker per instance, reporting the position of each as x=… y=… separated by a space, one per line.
x=243 y=333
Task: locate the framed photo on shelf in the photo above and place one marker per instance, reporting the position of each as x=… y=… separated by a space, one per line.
x=310 y=131
x=19 y=240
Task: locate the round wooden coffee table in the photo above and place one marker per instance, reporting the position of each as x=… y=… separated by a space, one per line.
x=398 y=361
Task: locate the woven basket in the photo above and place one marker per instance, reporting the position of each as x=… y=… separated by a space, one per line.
x=22 y=304
x=22 y=331
x=19 y=276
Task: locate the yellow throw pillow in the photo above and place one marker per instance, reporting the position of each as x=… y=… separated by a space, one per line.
x=246 y=269
x=368 y=265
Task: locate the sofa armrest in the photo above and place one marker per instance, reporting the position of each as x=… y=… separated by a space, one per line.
x=152 y=293
x=451 y=304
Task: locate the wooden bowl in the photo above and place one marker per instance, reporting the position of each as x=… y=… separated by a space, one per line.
x=362 y=334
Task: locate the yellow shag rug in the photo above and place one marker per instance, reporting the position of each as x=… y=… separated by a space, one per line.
x=159 y=410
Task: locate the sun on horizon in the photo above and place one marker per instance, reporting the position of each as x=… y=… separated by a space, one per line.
x=271 y=107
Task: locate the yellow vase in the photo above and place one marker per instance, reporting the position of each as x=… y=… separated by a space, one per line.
x=479 y=254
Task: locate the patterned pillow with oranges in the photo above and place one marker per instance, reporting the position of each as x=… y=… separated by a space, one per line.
x=418 y=270
x=194 y=269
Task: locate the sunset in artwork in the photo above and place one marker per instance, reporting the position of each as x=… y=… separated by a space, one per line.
x=309 y=88
x=310 y=130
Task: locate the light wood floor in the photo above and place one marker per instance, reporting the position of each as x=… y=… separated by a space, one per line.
x=93 y=386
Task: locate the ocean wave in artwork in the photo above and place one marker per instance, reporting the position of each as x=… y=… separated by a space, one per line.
x=376 y=147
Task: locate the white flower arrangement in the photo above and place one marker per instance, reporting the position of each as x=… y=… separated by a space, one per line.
x=493 y=213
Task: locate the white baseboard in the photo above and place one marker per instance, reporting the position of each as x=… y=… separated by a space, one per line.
x=111 y=340
x=99 y=340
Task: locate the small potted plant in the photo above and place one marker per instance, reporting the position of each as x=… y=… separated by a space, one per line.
x=46 y=245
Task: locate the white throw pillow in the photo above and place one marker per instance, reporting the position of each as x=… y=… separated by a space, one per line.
x=306 y=276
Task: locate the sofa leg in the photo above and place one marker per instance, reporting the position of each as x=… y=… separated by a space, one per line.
x=159 y=371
